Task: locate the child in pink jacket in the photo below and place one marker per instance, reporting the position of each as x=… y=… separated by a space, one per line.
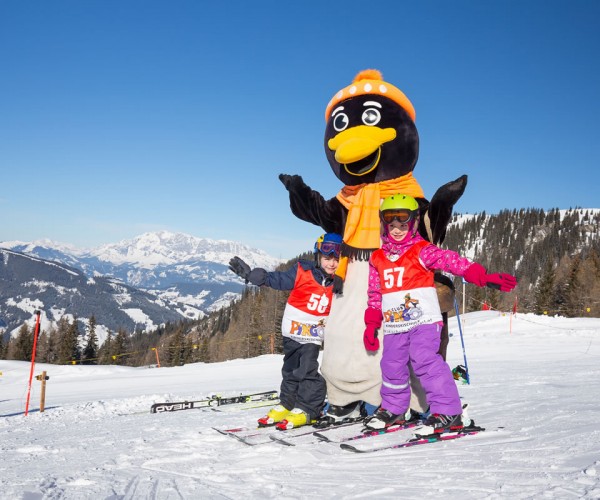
x=403 y=303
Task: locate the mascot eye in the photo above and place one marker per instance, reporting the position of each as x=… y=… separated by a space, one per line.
x=371 y=117
x=340 y=122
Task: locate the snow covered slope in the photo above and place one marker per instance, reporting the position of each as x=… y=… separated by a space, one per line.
x=97 y=439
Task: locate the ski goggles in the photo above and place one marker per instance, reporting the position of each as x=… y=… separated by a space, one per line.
x=328 y=248
x=402 y=215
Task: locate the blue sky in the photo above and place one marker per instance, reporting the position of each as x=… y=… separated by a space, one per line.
x=119 y=117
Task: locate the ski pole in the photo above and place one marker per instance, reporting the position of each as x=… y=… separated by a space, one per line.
x=468 y=375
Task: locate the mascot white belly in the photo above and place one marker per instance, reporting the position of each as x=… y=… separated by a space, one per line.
x=352 y=373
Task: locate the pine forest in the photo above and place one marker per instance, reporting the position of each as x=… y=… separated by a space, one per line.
x=554 y=254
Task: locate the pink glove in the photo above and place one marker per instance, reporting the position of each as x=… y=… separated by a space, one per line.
x=477 y=275
x=373 y=321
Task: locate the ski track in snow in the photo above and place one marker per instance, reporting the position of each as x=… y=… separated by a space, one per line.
x=97 y=439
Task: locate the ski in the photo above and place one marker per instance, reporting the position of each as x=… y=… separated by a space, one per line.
x=290 y=437
x=285 y=440
x=213 y=402
x=365 y=433
x=306 y=432
x=310 y=435
x=243 y=430
x=417 y=440
x=247 y=406
x=247 y=436
x=340 y=437
x=226 y=432
x=261 y=435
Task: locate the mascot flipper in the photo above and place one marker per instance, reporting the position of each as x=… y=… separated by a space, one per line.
x=437 y=217
x=372 y=145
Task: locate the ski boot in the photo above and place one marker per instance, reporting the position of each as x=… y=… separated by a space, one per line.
x=337 y=415
x=295 y=418
x=382 y=419
x=437 y=423
x=275 y=415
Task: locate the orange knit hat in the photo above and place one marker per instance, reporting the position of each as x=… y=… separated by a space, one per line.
x=370 y=81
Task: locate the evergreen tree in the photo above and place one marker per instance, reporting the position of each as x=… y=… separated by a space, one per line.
x=105 y=351
x=65 y=348
x=70 y=343
x=188 y=350
x=594 y=258
x=120 y=347
x=176 y=351
x=90 y=351
x=544 y=299
x=476 y=297
x=41 y=355
x=573 y=291
x=141 y=343
x=493 y=299
x=204 y=351
x=22 y=345
x=47 y=350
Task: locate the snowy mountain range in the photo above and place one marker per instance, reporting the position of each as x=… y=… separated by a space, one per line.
x=181 y=275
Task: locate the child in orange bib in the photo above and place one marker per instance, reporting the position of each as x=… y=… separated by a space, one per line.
x=403 y=303
x=302 y=393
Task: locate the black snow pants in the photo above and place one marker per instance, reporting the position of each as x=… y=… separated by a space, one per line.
x=302 y=385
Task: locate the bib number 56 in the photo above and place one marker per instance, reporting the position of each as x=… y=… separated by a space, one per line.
x=317 y=303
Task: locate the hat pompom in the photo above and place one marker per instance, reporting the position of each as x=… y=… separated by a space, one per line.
x=368 y=74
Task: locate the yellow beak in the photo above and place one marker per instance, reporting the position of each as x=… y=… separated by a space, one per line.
x=357 y=143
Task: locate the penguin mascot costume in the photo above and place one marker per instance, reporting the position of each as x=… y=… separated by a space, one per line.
x=372 y=145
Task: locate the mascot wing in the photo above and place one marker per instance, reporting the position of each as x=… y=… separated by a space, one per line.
x=439 y=211
x=308 y=205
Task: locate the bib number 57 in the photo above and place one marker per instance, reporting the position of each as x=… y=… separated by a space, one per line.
x=392 y=278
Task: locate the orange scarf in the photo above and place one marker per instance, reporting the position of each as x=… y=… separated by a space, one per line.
x=363 y=228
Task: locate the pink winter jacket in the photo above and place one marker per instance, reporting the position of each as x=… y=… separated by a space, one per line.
x=431 y=256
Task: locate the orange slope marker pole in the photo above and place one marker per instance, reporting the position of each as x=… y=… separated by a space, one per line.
x=35 y=337
x=155 y=349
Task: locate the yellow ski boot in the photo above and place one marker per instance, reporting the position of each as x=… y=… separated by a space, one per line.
x=295 y=418
x=276 y=414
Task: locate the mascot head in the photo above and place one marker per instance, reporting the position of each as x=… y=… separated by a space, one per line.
x=370 y=134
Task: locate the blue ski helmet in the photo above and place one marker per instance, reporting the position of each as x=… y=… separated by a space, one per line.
x=327 y=244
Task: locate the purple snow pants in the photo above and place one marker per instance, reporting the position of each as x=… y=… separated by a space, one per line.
x=419 y=346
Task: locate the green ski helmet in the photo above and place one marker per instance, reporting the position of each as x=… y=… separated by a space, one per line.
x=401 y=207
